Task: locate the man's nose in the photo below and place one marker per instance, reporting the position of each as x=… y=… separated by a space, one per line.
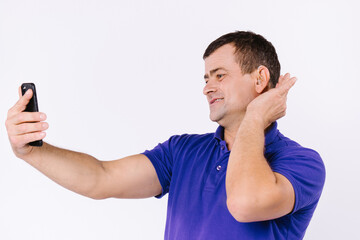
x=209 y=87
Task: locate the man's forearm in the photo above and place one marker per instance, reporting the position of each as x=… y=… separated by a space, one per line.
x=249 y=178
x=75 y=171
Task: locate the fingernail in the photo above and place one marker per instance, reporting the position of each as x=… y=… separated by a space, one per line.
x=42 y=116
x=28 y=92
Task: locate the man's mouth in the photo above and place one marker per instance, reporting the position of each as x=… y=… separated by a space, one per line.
x=216 y=100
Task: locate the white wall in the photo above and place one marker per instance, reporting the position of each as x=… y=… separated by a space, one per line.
x=117 y=77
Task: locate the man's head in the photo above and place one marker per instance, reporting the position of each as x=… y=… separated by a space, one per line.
x=238 y=67
x=251 y=51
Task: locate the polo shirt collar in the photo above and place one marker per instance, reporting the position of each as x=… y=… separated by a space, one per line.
x=270 y=133
x=219 y=134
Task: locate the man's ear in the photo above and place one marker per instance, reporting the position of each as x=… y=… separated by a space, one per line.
x=262 y=77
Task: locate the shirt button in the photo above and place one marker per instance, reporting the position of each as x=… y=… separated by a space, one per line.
x=218 y=167
x=222 y=147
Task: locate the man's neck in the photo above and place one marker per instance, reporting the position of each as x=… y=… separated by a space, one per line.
x=230 y=133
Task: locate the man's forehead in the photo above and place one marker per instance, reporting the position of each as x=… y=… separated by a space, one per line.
x=221 y=57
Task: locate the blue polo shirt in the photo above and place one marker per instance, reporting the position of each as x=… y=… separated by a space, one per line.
x=192 y=169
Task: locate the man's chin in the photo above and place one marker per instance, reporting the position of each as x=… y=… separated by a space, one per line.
x=215 y=118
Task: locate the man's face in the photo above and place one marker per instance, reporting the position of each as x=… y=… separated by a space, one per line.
x=228 y=91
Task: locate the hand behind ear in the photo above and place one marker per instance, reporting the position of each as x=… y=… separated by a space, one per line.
x=271 y=105
x=285 y=83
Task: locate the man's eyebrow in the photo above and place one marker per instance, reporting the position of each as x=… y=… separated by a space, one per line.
x=214 y=71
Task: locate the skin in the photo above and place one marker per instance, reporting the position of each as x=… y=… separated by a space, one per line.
x=254 y=191
x=229 y=83
x=244 y=113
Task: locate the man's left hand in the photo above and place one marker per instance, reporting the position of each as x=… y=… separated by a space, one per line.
x=271 y=105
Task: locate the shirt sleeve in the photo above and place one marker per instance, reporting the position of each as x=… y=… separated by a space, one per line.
x=162 y=158
x=305 y=170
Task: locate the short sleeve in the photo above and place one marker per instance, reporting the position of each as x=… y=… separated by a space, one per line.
x=162 y=158
x=305 y=170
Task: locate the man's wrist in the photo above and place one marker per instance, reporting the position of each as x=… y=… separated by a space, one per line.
x=255 y=119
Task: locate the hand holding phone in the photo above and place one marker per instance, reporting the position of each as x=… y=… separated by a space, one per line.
x=32 y=106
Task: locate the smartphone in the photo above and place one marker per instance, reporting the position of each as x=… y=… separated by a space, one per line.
x=31 y=107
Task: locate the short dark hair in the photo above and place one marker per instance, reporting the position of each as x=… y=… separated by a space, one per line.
x=251 y=50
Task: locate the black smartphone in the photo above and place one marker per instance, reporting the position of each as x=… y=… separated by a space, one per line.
x=31 y=107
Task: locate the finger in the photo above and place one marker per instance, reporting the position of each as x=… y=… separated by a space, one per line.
x=25 y=128
x=285 y=84
x=288 y=85
x=285 y=78
x=24 y=117
x=21 y=140
x=20 y=105
x=291 y=82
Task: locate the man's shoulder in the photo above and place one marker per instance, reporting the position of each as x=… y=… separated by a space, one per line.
x=191 y=138
x=295 y=147
x=292 y=152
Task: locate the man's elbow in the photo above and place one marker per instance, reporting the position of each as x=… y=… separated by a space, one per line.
x=243 y=210
x=97 y=197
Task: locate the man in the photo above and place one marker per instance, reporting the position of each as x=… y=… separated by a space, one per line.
x=245 y=181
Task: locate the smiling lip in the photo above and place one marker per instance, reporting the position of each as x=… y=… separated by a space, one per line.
x=214 y=100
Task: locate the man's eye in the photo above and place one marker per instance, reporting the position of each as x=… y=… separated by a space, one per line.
x=220 y=75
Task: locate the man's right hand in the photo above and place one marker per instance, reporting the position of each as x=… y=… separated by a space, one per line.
x=129 y=177
x=24 y=127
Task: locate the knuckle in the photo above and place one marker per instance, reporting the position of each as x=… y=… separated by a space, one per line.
x=23 y=128
x=20 y=117
x=39 y=126
x=13 y=140
x=31 y=116
x=9 y=112
x=7 y=124
x=28 y=137
x=37 y=136
x=34 y=136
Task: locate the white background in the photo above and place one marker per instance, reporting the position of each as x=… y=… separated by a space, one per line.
x=118 y=77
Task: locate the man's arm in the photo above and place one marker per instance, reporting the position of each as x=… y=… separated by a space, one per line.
x=254 y=191
x=129 y=177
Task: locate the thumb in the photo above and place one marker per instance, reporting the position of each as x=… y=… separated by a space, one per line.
x=23 y=100
x=19 y=91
